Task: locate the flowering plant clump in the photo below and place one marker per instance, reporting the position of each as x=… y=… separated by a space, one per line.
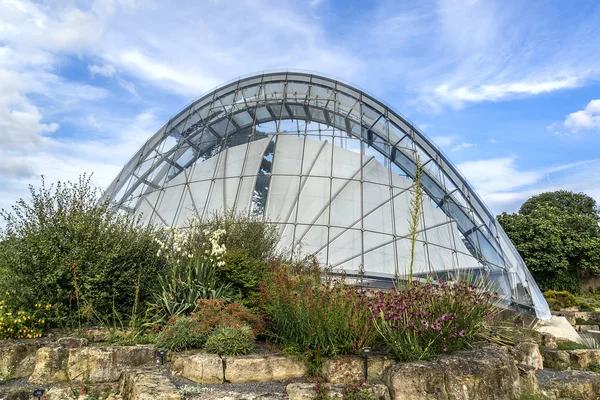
x=192 y=274
x=21 y=324
x=180 y=246
x=311 y=314
x=431 y=318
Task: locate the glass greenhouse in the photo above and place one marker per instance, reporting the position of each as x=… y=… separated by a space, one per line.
x=334 y=168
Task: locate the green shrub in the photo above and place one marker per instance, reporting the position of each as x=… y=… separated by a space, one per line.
x=242 y=272
x=327 y=317
x=183 y=333
x=209 y=314
x=559 y=300
x=65 y=248
x=230 y=341
x=215 y=313
x=431 y=318
x=257 y=237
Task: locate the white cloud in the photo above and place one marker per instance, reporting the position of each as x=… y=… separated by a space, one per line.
x=444 y=141
x=497 y=175
x=459 y=96
x=586 y=119
x=455 y=53
x=504 y=186
x=462 y=146
x=104 y=70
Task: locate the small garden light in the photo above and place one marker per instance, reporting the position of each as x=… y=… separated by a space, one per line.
x=38 y=393
x=161 y=355
x=365 y=352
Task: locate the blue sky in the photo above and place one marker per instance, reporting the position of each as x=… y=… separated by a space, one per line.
x=510 y=90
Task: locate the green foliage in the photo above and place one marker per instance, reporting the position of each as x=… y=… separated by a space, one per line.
x=230 y=341
x=568 y=345
x=19 y=324
x=242 y=272
x=306 y=312
x=183 y=333
x=257 y=237
x=564 y=200
x=558 y=236
x=214 y=313
x=594 y=367
x=432 y=318
x=184 y=284
x=559 y=300
x=132 y=337
x=64 y=247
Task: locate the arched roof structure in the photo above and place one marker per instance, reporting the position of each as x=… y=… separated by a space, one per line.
x=334 y=167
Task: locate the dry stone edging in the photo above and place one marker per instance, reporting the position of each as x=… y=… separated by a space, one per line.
x=346 y=369
x=306 y=391
x=567 y=359
x=17 y=359
x=199 y=367
x=87 y=364
x=105 y=364
x=262 y=368
x=147 y=384
x=528 y=353
x=488 y=373
x=581 y=385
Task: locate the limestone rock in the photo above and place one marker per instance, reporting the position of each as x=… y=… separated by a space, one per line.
x=199 y=367
x=50 y=365
x=15 y=393
x=147 y=384
x=528 y=380
x=581 y=385
x=105 y=364
x=528 y=353
x=556 y=359
x=306 y=391
x=488 y=373
x=549 y=341
x=71 y=342
x=584 y=357
x=585 y=328
x=73 y=392
x=260 y=368
x=344 y=369
x=17 y=358
x=377 y=366
x=230 y=395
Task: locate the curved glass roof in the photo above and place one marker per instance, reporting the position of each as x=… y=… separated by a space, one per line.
x=334 y=167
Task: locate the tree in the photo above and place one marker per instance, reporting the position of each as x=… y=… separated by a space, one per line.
x=568 y=202
x=558 y=236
